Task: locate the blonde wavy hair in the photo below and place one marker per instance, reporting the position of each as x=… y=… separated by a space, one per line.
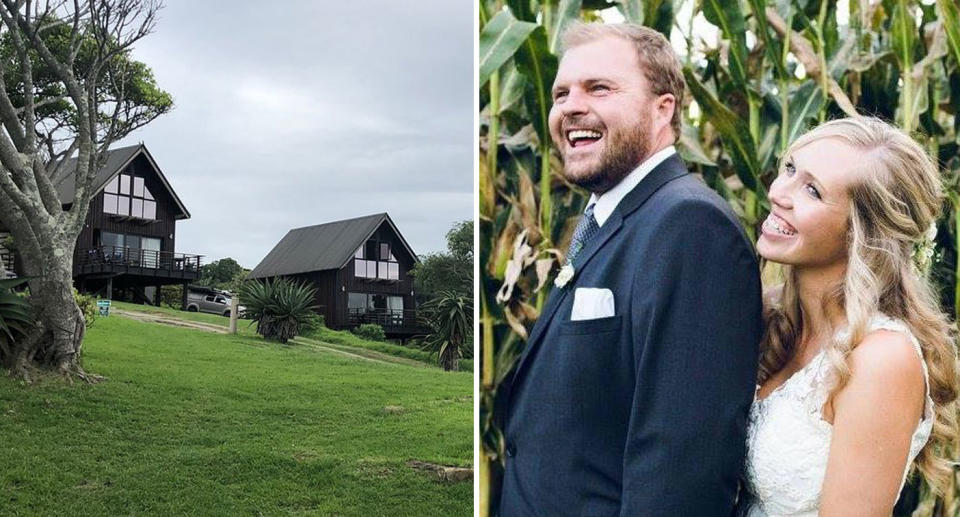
x=899 y=197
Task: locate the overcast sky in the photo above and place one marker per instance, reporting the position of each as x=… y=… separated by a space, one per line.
x=295 y=113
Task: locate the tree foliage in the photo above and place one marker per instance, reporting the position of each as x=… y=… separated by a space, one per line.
x=449 y=270
x=225 y=274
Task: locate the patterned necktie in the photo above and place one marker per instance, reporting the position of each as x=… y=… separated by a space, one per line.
x=586 y=229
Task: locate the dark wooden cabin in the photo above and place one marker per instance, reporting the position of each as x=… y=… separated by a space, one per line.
x=360 y=268
x=127 y=246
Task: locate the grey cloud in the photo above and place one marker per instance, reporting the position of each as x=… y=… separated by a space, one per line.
x=306 y=112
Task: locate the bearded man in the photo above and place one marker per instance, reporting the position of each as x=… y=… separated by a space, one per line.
x=632 y=394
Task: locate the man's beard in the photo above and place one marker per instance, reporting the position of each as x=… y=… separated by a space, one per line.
x=624 y=151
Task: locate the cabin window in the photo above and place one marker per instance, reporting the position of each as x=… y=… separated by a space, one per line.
x=128 y=195
x=123 y=205
x=111 y=239
x=376 y=269
x=365 y=302
x=114 y=186
x=109 y=203
x=356 y=301
x=395 y=304
x=375 y=259
x=149 y=209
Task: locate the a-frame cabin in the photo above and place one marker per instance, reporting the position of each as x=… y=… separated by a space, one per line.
x=359 y=267
x=127 y=245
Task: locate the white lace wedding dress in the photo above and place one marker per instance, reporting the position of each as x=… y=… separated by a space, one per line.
x=788 y=440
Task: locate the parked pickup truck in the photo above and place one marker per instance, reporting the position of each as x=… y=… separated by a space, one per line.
x=206 y=299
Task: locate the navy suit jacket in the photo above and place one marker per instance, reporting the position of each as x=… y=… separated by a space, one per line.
x=642 y=413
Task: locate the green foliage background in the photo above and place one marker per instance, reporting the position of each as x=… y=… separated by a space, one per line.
x=759 y=74
x=226 y=274
x=447 y=270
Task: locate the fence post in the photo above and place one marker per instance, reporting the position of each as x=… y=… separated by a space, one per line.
x=234 y=303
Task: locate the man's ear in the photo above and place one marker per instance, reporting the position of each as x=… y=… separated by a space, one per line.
x=665 y=106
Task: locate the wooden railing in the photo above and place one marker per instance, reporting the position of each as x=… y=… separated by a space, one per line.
x=6 y=261
x=384 y=317
x=114 y=256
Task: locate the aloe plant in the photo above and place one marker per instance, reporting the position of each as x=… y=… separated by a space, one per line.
x=281 y=308
x=16 y=318
x=450 y=315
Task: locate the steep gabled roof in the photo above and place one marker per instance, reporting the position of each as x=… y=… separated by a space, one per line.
x=321 y=247
x=117 y=160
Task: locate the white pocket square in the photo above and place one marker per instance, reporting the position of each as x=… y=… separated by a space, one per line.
x=590 y=303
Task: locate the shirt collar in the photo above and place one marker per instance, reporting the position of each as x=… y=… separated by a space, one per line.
x=608 y=201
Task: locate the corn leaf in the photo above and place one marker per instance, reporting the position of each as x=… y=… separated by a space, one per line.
x=499 y=41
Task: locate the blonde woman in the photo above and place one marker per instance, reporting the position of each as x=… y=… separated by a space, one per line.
x=858 y=369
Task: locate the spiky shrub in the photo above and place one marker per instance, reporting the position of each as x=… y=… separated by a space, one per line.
x=16 y=318
x=450 y=315
x=281 y=308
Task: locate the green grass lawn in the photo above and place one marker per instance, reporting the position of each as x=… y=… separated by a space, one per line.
x=349 y=339
x=324 y=334
x=201 y=317
x=197 y=423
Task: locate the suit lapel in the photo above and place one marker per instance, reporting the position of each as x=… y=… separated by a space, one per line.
x=671 y=168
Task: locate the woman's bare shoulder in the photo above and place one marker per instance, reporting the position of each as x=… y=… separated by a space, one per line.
x=886 y=364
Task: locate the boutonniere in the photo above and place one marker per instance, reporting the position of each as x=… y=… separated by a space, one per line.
x=566 y=273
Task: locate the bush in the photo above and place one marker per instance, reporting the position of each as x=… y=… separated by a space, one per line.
x=88 y=306
x=313 y=323
x=172 y=296
x=282 y=308
x=370 y=331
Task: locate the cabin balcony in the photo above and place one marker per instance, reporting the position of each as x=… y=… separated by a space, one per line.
x=116 y=260
x=394 y=321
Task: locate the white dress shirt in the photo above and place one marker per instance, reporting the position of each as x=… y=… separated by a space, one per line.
x=608 y=201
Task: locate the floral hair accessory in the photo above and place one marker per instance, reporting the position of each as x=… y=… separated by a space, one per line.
x=924 y=249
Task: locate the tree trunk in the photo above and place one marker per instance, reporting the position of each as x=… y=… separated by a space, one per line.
x=57 y=341
x=450 y=359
